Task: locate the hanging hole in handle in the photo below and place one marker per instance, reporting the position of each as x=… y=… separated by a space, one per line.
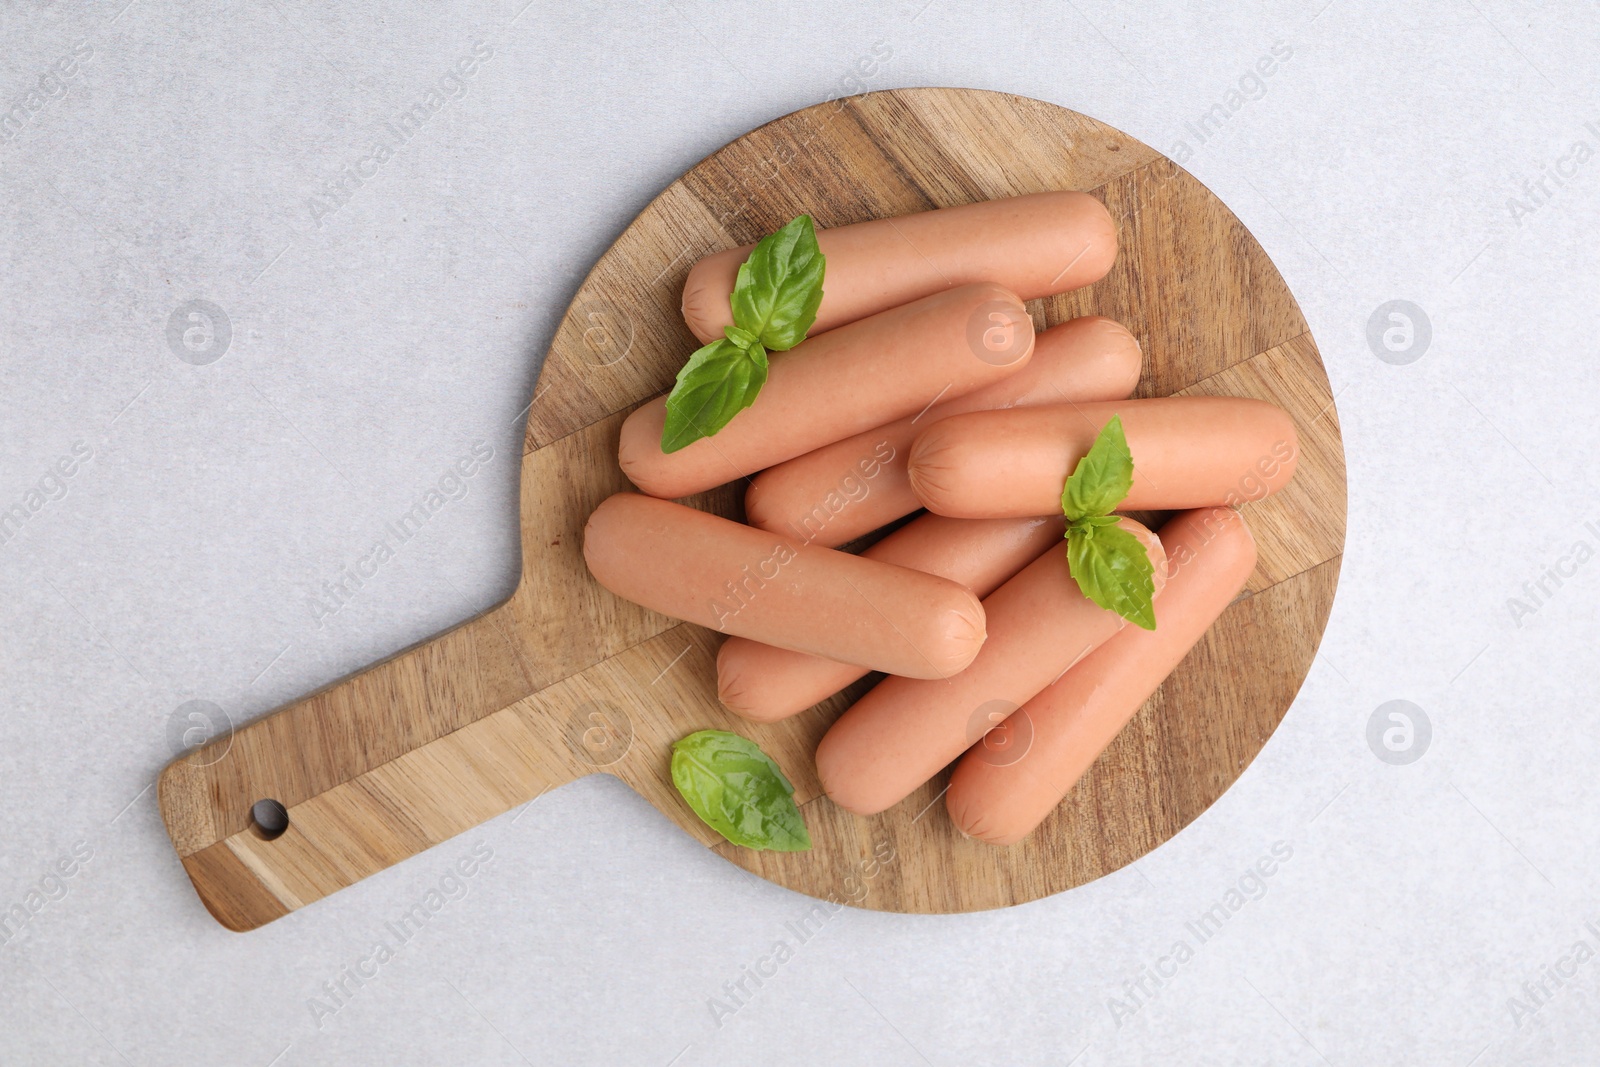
x=269 y=819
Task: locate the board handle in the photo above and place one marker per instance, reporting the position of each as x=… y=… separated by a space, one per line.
x=403 y=755
x=371 y=770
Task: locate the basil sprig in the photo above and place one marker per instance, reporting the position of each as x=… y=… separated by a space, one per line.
x=738 y=791
x=719 y=381
x=1109 y=564
x=775 y=300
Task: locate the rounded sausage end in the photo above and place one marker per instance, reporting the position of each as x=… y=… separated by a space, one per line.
x=758 y=506
x=1120 y=353
x=991 y=292
x=936 y=468
x=740 y=689
x=1001 y=338
x=975 y=821
x=1230 y=545
x=1240 y=537
x=1277 y=443
x=706 y=292
x=842 y=782
x=1152 y=547
x=639 y=450
x=963 y=630
x=1095 y=225
x=600 y=542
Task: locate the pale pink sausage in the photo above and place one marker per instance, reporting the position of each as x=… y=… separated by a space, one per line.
x=1007 y=784
x=1035 y=245
x=904 y=730
x=730 y=577
x=1188 y=452
x=838 y=384
x=765 y=683
x=840 y=491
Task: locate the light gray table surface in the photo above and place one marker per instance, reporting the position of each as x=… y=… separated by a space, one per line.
x=1431 y=910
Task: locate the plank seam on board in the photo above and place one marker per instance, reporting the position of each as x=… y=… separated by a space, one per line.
x=1133 y=172
x=912 y=182
x=1265 y=351
x=1132 y=164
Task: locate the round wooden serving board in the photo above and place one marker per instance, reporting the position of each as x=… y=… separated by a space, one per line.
x=564 y=679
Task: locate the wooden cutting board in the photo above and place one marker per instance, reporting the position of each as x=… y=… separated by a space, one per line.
x=564 y=680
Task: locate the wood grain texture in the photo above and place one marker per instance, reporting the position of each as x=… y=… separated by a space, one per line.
x=564 y=680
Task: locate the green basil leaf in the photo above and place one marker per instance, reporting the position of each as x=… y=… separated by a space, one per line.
x=738 y=791
x=779 y=287
x=1102 y=477
x=719 y=381
x=775 y=301
x=1113 y=570
x=742 y=338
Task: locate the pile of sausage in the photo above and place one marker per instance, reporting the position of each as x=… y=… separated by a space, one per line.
x=923 y=386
